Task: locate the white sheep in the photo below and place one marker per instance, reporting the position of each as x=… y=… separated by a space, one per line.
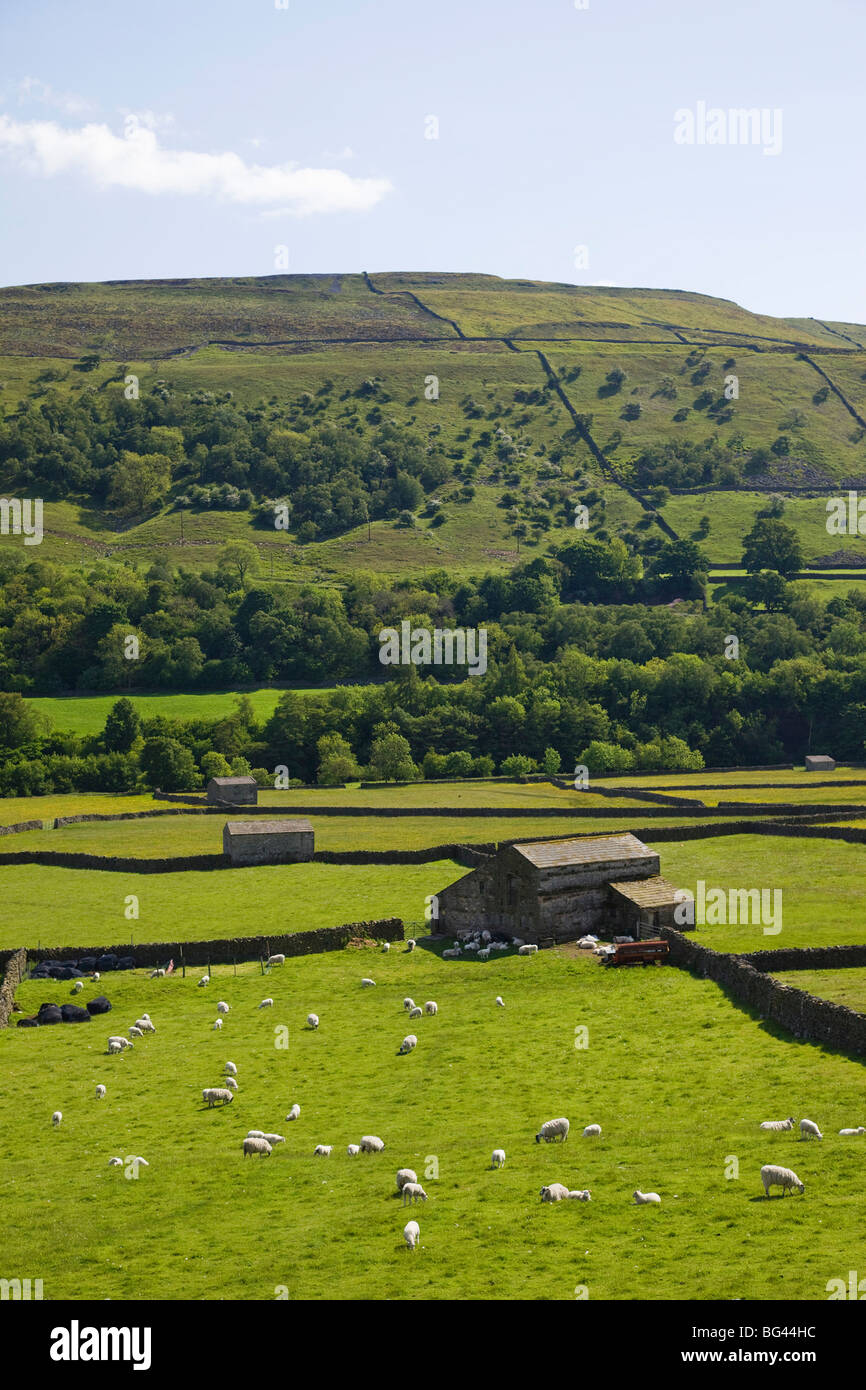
x=77 y=987
x=527 y=950
x=255 y=1134
x=115 y=1162
x=222 y=1007
x=95 y=977
x=778 y=1124
x=273 y=1139
x=485 y=936
x=581 y=1195
x=353 y=1150
x=212 y=1094
x=386 y=946
x=135 y=1032
x=410 y=944
x=484 y=953
x=254 y=1145
x=431 y=1007
x=230 y=1069
x=413 y=1192
x=408 y=1003
x=810 y=1130
x=217 y=1023
x=371 y=1144
x=205 y=980
x=405 y=1175
x=451 y=954
x=470 y=945
x=642 y=1199
x=555 y=1192
x=591 y=1130
x=416 y=1012
x=498 y=1160
x=774 y=1176
x=114 y=1047
x=56 y=1118
x=157 y=974
x=231 y=1083
x=552 y=1130
x=366 y=984
x=312 y=1021
x=278 y=959
x=322 y=1150
x=407 y=1044
x=861 y=1129
x=266 y=1004
x=500 y=1001
x=294 y=1112
x=100 y=1092
x=145 y=1024
x=411 y=1234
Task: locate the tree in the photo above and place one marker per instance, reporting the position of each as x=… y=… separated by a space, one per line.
x=139 y=481
x=215 y=765
x=518 y=765
x=769 y=588
x=169 y=765
x=391 y=759
x=336 y=761
x=20 y=722
x=681 y=560
x=242 y=557
x=551 y=761
x=121 y=727
x=772 y=545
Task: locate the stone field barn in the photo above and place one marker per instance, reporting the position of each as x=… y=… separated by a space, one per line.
x=239 y=791
x=268 y=841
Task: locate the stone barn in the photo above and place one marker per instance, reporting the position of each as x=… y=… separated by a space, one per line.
x=557 y=890
x=238 y=791
x=820 y=762
x=268 y=841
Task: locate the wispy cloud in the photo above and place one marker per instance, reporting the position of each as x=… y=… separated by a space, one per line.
x=138 y=161
x=152 y=120
x=34 y=89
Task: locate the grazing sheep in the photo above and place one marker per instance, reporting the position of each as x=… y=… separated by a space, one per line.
x=431 y=1007
x=205 y=980
x=527 y=950
x=312 y=1021
x=322 y=1150
x=810 y=1130
x=294 y=1112
x=273 y=1139
x=591 y=1130
x=498 y=1160
x=470 y=946
x=157 y=974
x=484 y=953
x=408 y=1003
x=77 y=987
x=231 y=1083
x=555 y=1192
x=646 y=1198
x=212 y=1094
x=413 y=1192
x=371 y=1144
x=778 y=1124
x=410 y=944
x=774 y=1176
x=255 y=1145
x=100 y=1092
x=115 y=1162
x=266 y=1004
x=405 y=1175
x=452 y=954
x=386 y=946
x=255 y=1134
x=56 y=1118
x=861 y=1129
x=222 y=1007
x=583 y=1195
x=217 y=1023
x=278 y=959
x=500 y=1001
x=365 y=984
x=114 y=1047
x=135 y=1032
x=552 y=1130
x=416 y=1012
x=121 y=1042
x=407 y=1044
x=353 y=1150
x=230 y=1069
x=145 y=1024
x=411 y=1234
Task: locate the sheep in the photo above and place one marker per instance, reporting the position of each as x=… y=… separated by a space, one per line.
x=431 y=1007
x=416 y=1012
x=100 y=1092
x=861 y=1129
x=231 y=1083
x=230 y=1069
x=555 y=1192
x=273 y=1139
x=809 y=1130
x=527 y=950
x=410 y=944
x=205 y=980
x=114 y=1048
x=322 y=1150
x=485 y=936
x=122 y=1043
x=294 y=1112
x=484 y=954
x=115 y=1162
x=217 y=1023
x=411 y=1234
x=95 y=977
x=413 y=1192
x=145 y=1024
x=56 y=1118
x=591 y=1130
x=353 y=1150
x=500 y=1001
x=498 y=1160
x=156 y=974
x=135 y=1032
x=256 y=1146
x=774 y=1176
x=366 y=984
x=371 y=1144
x=778 y=1124
x=583 y=1195
x=552 y=1130
x=407 y=1044
x=255 y=1134
x=405 y=1175
x=212 y=1094
x=77 y=987
x=386 y=946
x=266 y=1004
x=646 y=1198
x=312 y=1021
x=222 y=1007
x=451 y=954
x=408 y=1003
x=278 y=959
x=470 y=946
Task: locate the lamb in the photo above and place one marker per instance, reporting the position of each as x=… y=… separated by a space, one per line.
x=145 y=1024
x=115 y=1162
x=861 y=1129
x=416 y=1012
x=366 y=984
x=500 y=1001
x=56 y=1118
x=231 y=1083
x=212 y=1094
x=222 y=1007
x=254 y=1145
x=498 y=1160
x=552 y=1130
x=485 y=936
x=643 y=1198
x=135 y=1032
x=810 y=1130
x=405 y=1175
x=591 y=1130
x=322 y=1150
x=413 y=1192
x=411 y=1234
x=100 y=1092
x=371 y=1144
x=255 y=1134
x=774 y=1176
x=278 y=959
x=410 y=944
x=778 y=1124
x=157 y=974
x=266 y=1004
x=353 y=1150
x=114 y=1047
x=77 y=987
x=484 y=954
x=470 y=946
x=294 y=1112
x=431 y=1007
x=527 y=950
x=581 y=1196
x=407 y=1044
x=205 y=980
x=555 y=1192
x=230 y=1069
x=273 y=1139
x=217 y=1023
x=451 y=954
x=386 y=946
x=312 y=1021
x=408 y=1003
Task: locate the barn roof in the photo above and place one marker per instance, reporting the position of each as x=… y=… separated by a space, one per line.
x=233 y=781
x=647 y=892
x=268 y=827
x=594 y=849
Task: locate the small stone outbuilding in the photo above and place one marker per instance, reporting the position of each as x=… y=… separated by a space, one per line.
x=268 y=841
x=820 y=762
x=237 y=791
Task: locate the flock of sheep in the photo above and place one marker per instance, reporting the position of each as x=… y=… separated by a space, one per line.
x=772 y=1175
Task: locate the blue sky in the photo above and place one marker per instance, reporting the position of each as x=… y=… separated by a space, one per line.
x=192 y=137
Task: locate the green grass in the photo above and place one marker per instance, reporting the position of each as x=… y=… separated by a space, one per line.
x=201 y=1222
x=846 y=987
x=86 y=714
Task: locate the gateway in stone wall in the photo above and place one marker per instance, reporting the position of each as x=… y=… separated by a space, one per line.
x=268 y=841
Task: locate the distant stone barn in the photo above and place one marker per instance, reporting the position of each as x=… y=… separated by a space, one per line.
x=558 y=890
x=268 y=841
x=820 y=762
x=237 y=791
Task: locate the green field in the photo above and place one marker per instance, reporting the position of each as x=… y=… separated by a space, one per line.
x=846 y=987
x=203 y=1222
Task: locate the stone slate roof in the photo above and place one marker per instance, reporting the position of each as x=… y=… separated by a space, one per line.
x=595 y=849
x=233 y=782
x=268 y=827
x=647 y=892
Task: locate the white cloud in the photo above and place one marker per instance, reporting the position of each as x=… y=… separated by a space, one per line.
x=153 y=120
x=139 y=162
x=34 y=89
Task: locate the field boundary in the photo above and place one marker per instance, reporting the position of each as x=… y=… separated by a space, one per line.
x=468 y=855
x=16 y=965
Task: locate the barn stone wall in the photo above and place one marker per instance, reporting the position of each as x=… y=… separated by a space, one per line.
x=269 y=846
